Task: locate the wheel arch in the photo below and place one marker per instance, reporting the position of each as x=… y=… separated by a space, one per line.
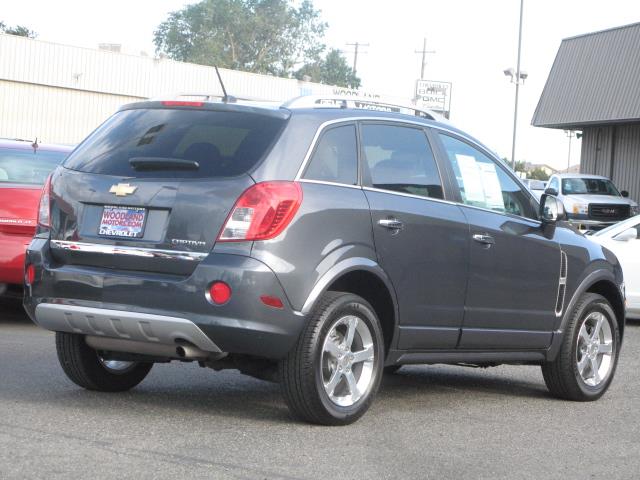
x=363 y=277
x=602 y=282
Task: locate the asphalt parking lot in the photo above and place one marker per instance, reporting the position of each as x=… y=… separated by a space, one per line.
x=187 y=422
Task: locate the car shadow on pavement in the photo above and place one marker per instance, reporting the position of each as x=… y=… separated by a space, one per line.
x=229 y=394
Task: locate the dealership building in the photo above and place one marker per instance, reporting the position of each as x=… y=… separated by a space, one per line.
x=60 y=93
x=594 y=87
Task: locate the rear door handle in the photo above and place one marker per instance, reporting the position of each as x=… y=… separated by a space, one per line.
x=391 y=223
x=484 y=238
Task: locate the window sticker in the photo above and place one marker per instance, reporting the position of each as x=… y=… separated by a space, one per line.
x=491 y=184
x=471 y=178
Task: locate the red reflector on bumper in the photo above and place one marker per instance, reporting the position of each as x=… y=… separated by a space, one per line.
x=271 y=301
x=219 y=293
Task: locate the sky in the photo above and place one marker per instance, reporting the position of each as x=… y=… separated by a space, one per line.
x=474 y=41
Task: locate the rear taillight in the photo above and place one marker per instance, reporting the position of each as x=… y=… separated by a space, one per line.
x=44 y=209
x=30 y=274
x=262 y=212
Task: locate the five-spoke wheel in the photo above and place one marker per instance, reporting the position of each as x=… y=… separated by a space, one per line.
x=586 y=363
x=332 y=374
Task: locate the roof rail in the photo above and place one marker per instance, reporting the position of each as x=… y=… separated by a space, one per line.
x=320 y=101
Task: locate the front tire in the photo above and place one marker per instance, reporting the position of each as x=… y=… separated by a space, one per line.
x=87 y=369
x=332 y=374
x=586 y=363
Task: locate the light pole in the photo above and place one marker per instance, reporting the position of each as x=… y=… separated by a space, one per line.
x=516 y=77
x=570 y=134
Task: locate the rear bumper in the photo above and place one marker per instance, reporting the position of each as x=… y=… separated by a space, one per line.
x=165 y=309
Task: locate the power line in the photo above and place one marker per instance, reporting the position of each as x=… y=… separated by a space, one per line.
x=424 y=53
x=356 y=47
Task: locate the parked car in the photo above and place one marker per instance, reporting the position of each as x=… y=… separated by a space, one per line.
x=623 y=239
x=591 y=201
x=313 y=244
x=537 y=187
x=24 y=167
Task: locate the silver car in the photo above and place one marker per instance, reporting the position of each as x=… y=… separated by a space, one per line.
x=591 y=201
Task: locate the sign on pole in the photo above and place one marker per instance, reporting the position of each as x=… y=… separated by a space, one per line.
x=434 y=95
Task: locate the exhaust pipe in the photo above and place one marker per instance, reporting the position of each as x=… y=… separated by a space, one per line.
x=191 y=353
x=183 y=352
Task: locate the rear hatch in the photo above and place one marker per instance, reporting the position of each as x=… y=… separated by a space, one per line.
x=151 y=188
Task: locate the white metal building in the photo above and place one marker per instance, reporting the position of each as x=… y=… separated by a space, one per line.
x=60 y=93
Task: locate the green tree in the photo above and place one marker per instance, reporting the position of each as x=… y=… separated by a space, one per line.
x=520 y=166
x=331 y=70
x=539 y=174
x=261 y=36
x=18 y=30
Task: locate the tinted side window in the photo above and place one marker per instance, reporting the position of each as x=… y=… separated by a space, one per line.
x=335 y=158
x=400 y=159
x=483 y=183
x=554 y=184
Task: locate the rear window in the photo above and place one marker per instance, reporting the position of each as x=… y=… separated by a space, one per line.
x=224 y=144
x=26 y=166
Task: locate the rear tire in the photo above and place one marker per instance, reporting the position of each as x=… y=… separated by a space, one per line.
x=85 y=368
x=332 y=374
x=586 y=363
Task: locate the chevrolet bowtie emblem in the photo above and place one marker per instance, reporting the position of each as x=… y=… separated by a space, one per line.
x=122 y=189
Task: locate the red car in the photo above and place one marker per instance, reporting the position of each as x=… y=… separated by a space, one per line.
x=24 y=168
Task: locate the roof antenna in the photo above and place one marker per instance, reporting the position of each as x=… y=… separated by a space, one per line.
x=226 y=98
x=35 y=145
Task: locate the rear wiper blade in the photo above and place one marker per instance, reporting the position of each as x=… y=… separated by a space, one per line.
x=162 y=163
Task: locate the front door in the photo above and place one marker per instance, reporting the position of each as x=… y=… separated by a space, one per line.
x=422 y=241
x=514 y=269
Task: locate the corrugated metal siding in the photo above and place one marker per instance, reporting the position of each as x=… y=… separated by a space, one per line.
x=620 y=142
x=56 y=115
x=596 y=151
x=626 y=164
x=594 y=79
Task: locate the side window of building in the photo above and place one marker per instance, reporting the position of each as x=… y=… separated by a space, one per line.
x=400 y=159
x=484 y=183
x=335 y=158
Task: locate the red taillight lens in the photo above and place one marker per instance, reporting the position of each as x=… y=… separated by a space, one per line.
x=30 y=274
x=44 y=209
x=262 y=212
x=181 y=103
x=219 y=293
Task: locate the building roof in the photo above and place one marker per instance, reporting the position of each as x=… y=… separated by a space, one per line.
x=595 y=79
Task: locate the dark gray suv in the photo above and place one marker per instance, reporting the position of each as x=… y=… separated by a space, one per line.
x=318 y=247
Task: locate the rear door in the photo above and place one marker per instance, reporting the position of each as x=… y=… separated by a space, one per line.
x=157 y=181
x=421 y=239
x=514 y=268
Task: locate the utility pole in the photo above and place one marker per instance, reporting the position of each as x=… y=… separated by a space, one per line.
x=356 y=47
x=424 y=52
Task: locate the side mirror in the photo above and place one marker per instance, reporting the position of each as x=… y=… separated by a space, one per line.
x=624 y=193
x=551 y=209
x=628 y=234
x=551 y=191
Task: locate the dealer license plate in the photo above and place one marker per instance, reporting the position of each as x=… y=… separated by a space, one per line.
x=120 y=221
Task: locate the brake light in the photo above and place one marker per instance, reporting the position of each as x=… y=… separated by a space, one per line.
x=44 y=208
x=262 y=212
x=181 y=103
